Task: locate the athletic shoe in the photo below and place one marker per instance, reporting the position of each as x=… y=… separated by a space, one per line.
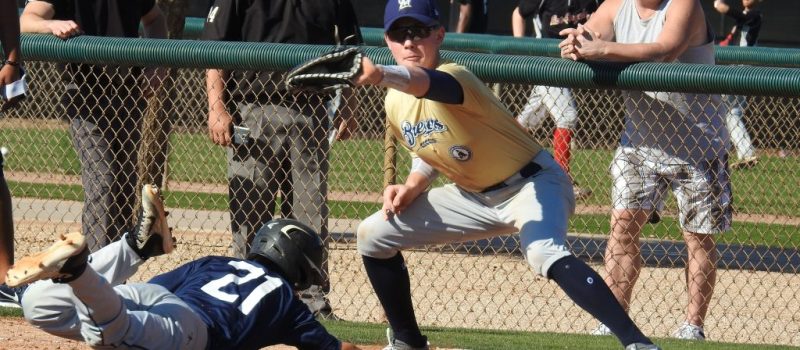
x=745 y=163
x=581 y=192
x=688 y=331
x=11 y=297
x=395 y=344
x=601 y=330
x=642 y=346
x=151 y=236
x=63 y=262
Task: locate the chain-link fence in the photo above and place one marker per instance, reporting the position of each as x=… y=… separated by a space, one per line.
x=93 y=123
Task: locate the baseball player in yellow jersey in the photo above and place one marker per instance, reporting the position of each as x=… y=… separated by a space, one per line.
x=503 y=181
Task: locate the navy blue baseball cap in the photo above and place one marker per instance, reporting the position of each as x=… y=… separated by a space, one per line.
x=424 y=11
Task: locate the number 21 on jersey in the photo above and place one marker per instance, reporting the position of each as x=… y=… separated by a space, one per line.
x=214 y=288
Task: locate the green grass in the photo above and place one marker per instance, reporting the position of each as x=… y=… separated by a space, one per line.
x=741 y=233
x=479 y=339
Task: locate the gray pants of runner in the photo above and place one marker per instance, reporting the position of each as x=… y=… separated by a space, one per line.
x=107 y=152
x=287 y=153
x=97 y=309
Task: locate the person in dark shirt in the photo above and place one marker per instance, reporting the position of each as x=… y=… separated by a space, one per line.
x=469 y=16
x=744 y=33
x=283 y=144
x=213 y=302
x=103 y=118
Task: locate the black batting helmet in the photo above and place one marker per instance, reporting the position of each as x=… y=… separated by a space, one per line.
x=292 y=247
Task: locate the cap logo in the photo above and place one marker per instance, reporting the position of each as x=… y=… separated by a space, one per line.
x=403 y=4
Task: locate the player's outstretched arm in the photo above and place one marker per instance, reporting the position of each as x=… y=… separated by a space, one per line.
x=411 y=80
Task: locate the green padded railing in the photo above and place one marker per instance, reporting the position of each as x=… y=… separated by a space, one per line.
x=500 y=44
x=742 y=80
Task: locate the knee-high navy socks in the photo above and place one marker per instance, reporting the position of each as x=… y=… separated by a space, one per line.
x=389 y=278
x=588 y=290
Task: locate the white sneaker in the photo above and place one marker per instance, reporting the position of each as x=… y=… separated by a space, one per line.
x=688 y=331
x=601 y=330
x=395 y=344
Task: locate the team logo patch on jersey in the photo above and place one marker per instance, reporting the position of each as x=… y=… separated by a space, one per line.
x=461 y=153
x=423 y=128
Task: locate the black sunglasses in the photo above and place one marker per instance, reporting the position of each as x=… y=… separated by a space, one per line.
x=415 y=33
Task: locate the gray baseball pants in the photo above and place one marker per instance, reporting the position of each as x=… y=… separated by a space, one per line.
x=98 y=309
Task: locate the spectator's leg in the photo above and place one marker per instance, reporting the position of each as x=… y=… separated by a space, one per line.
x=562 y=107
x=126 y=141
x=308 y=147
x=701 y=275
x=253 y=182
x=533 y=113
x=623 y=256
x=98 y=175
x=738 y=133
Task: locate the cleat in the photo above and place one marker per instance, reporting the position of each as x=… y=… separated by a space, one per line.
x=151 y=236
x=688 y=331
x=62 y=262
x=601 y=329
x=395 y=344
x=11 y=296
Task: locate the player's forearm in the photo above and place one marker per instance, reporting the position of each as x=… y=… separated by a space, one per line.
x=417 y=182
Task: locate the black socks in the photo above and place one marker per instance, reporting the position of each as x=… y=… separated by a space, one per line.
x=588 y=290
x=390 y=281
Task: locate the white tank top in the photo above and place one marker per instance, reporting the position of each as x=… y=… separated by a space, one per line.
x=689 y=127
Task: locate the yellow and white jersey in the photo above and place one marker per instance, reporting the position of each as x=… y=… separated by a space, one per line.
x=475 y=144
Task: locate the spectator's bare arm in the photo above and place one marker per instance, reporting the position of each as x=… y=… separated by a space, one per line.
x=38 y=18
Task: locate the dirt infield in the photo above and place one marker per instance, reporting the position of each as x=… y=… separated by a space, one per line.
x=500 y=292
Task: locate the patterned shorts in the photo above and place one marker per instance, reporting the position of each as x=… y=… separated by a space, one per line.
x=703 y=191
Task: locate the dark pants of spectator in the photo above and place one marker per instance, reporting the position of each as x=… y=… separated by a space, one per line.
x=286 y=154
x=106 y=138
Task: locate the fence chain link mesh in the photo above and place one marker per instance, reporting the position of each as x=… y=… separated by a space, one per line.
x=483 y=284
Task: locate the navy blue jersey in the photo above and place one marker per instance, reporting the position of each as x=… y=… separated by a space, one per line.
x=245 y=305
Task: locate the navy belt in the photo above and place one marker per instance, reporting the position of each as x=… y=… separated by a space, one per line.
x=528 y=170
